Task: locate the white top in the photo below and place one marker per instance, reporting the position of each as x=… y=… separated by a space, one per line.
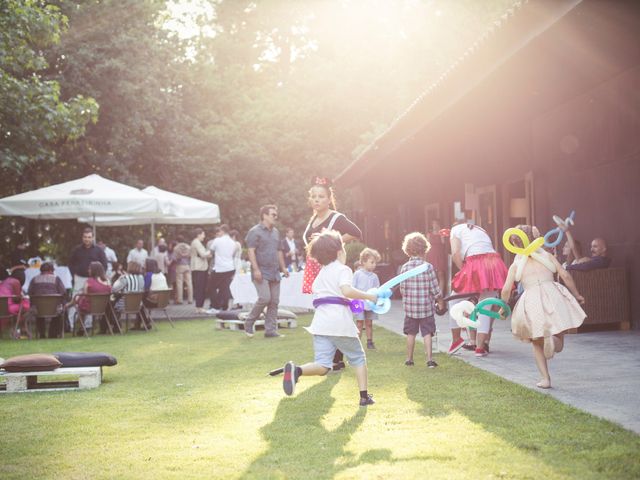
x=333 y=320
x=111 y=259
x=158 y=282
x=137 y=256
x=292 y=246
x=474 y=241
x=365 y=280
x=237 y=257
x=224 y=249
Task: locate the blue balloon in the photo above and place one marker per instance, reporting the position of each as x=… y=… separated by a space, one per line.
x=564 y=223
x=383 y=304
x=558 y=239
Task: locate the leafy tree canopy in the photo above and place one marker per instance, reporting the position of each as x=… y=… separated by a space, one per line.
x=34 y=117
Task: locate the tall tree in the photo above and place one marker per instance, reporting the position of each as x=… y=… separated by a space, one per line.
x=116 y=52
x=35 y=118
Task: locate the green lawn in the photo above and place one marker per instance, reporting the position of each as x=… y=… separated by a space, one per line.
x=193 y=402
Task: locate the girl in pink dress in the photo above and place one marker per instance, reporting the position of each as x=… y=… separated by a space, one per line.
x=546 y=309
x=482 y=271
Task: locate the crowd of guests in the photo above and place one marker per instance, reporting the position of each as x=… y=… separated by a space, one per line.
x=193 y=269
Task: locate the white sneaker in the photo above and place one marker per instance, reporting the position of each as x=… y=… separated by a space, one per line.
x=212 y=311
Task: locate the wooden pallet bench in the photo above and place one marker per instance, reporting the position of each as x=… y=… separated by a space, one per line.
x=87 y=377
x=239 y=324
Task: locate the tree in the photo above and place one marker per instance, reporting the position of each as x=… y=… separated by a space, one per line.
x=34 y=117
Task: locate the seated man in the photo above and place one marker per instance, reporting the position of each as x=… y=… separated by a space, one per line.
x=47 y=283
x=598 y=257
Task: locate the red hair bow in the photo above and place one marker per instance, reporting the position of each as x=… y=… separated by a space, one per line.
x=321 y=181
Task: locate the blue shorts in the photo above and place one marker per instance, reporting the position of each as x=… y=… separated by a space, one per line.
x=366 y=315
x=325 y=346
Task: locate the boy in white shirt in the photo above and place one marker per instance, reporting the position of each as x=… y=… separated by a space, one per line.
x=332 y=326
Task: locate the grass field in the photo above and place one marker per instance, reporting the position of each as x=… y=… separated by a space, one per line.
x=193 y=402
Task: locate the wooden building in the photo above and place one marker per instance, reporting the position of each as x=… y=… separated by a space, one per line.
x=540 y=117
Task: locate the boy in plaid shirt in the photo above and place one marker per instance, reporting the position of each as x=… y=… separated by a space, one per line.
x=419 y=295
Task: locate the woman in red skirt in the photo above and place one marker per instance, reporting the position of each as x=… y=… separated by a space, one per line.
x=325 y=217
x=481 y=270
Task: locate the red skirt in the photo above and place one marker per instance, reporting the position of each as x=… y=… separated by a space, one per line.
x=481 y=272
x=311 y=270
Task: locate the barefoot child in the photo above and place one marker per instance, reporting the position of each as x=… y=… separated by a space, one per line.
x=332 y=326
x=546 y=309
x=419 y=295
x=364 y=279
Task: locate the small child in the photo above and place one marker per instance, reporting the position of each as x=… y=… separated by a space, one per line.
x=332 y=326
x=364 y=279
x=419 y=295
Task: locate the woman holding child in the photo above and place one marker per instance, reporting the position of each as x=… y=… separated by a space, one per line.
x=325 y=217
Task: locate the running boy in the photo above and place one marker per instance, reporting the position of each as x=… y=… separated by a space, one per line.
x=364 y=279
x=332 y=326
x=419 y=295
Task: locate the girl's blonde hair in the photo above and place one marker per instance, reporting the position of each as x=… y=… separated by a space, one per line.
x=531 y=231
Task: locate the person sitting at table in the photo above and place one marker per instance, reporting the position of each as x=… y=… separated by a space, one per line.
x=48 y=283
x=154 y=280
x=12 y=287
x=97 y=283
x=131 y=281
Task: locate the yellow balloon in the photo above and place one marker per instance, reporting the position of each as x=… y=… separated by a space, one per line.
x=528 y=249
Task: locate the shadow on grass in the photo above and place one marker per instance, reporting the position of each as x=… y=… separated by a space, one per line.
x=570 y=441
x=299 y=443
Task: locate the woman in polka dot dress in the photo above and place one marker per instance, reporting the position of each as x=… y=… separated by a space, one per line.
x=325 y=217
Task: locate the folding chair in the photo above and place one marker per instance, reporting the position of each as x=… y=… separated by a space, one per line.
x=46 y=306
x=4 y=314
x=132 y=306
x=162 y=302
x=98 y=306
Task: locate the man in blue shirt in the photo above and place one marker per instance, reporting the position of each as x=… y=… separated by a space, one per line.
x=267 y=261
x=598 y=257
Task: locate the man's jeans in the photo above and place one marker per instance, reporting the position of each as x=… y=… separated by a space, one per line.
x=268 y=296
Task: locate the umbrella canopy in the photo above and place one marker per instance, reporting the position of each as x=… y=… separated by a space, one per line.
x=176 y=209
x=91 y=195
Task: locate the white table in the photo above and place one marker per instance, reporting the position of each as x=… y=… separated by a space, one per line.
x=243 y=291
x=63 y=272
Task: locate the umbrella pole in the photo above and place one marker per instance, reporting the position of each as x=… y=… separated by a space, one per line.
x=94 y=227
x=153 y=234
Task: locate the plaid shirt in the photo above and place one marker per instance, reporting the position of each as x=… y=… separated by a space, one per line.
x=419 y=292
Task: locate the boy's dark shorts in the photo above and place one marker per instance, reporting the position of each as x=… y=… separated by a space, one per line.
x=427 y=326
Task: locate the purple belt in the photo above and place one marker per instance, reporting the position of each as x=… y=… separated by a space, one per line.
x=356 y=306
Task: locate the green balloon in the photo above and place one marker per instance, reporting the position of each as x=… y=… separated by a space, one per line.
x=489 y=302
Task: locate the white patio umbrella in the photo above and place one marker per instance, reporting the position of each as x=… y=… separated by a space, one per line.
x=176 y=209
x=90 y=196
